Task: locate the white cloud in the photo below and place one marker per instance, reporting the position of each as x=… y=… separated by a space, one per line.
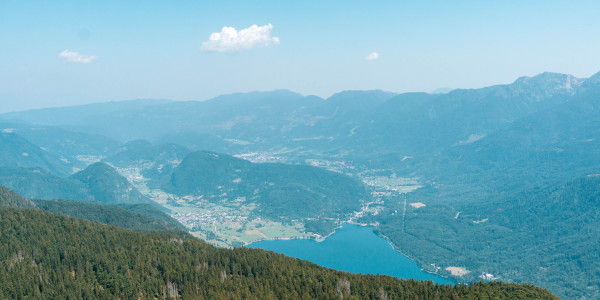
x=76 y=57
x=230 y=39
x=372 y=56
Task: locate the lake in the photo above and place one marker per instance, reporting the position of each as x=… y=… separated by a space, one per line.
x=355 y=249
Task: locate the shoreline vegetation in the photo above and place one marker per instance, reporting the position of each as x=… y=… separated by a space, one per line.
x=317 y=237
x=46 y=255
x=380 y=235
x=397 y=249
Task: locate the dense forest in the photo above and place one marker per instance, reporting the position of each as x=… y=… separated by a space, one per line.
x=8 y=198
x=98 y=182
x=282 y=191
x=44 y=255
x=541 y=224
x=506 y=173
x=137 y=217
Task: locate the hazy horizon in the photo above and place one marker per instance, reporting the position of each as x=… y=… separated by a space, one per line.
x=441 y=90
x=64 y=53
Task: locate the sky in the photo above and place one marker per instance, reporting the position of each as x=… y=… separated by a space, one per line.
x=59 y=53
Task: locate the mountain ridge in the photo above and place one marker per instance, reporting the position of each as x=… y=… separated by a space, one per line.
x=81 y=258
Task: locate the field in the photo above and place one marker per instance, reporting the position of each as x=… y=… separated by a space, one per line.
x=233 y=222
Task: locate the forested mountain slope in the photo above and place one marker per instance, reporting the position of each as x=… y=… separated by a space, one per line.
x=8 y=198
x=137 y=217
x=360 y=123
x=541 y=235
x=153 y=161
x=108 y=186
x=282 y=191
x=38 y=183
x=44 y=255
x=468 y=153
x=70 y=145
x=99 y=182
x=16 y=151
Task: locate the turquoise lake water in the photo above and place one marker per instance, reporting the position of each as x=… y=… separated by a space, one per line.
x=355 y=249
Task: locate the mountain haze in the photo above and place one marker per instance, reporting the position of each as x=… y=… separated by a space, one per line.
x=499 y=181
x=16 y=151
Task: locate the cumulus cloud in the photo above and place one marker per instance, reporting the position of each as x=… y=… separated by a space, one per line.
x=230 y=39
x=372 y=56
x=76 y=57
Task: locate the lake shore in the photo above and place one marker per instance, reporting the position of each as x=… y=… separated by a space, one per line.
x=355 y=248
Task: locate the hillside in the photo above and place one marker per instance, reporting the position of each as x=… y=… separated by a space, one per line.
x=155 y=161
x=350 y=123
x=45 y=255
x=442 y=169
x=37 y=183
x=546 y=233
x=281 y=191
x=99 y=182
x=74 y=146
x=108 y=186
x=9 y=198
x=137 y=217
x=75 y=117
x=551 y=145
x=16 y=151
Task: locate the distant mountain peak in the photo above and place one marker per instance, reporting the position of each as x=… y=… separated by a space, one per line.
x=361 y=94
x=566 y=80
x=547 y=84
x=282 y=94
x=594 y=80
x=443 y=90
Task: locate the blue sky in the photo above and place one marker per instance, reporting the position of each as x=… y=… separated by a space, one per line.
x=56 y=53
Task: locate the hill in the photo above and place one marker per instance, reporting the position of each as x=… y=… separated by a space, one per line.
x=77 y=148
x=16 y=151
x=148 y=119
x=350 y=123
x=37 y=183
x=465 y=155
x=45 y=255
x=154 y=161
x=82 y=118
x=9 y=198
x=108 y=186
x=137 y=217
x=281 y=191
x=546 y=233
x=99 y=182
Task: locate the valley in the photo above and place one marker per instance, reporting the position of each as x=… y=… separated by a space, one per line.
x=221 y=223
x=232 y=223
x=299 y=150
x=487 y=184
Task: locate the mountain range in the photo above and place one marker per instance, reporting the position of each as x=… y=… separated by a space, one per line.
x=504 y=176
x=45 y=255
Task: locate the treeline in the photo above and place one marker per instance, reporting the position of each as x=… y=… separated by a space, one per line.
x=44 y=255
